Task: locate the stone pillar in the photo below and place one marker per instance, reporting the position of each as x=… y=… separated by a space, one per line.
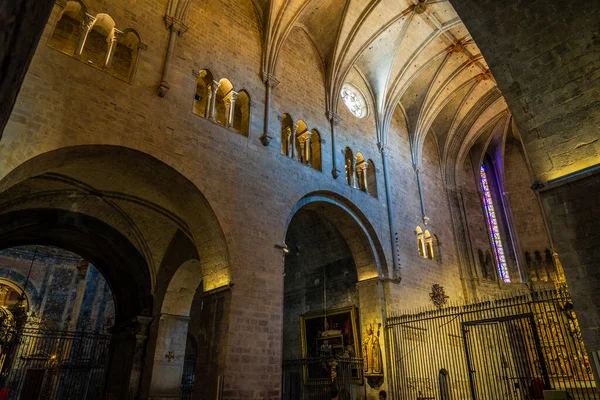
x=176 y=28
x=334 y=120
x=390 y=206
x=230 y=104
x=288 y=140
x=83 y=268
x=417 y=169
x=87 y=23
x=212 y=97
x=128 y=348
x=361 y=171
x=293 y=141
x=112 y=47
x=169 y=356
x=308 y=148
x=270 y=83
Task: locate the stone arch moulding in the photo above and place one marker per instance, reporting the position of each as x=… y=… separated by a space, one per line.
x=354 y=227
x=182 y=203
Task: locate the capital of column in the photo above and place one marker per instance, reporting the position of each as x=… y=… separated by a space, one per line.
x=269 y=79
x=231 y=97
x=383 y=148
x=88 y=20
x=417 y=169
x=175 y=25
x=116 y=35
x=333 y=118
x=214 y=86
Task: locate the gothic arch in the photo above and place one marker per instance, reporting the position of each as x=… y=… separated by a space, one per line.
x=354 y=227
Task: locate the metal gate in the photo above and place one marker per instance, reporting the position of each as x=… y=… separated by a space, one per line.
x=511 y=348
x=314 y=378
x=61 y=365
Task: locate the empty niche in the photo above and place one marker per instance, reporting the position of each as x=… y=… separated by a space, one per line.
x=349 y=166
x=98 y=41
x=69 y=28
x=371 y=178
x=241 y=116
x=360 y=172
x=202 y=96
x=287 y=130
x=125 y=54
x=221 y=116
x=315 y=148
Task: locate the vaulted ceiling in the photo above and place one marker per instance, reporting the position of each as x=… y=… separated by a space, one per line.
x=412 y=54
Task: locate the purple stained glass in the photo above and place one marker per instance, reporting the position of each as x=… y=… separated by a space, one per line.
x=493 y=226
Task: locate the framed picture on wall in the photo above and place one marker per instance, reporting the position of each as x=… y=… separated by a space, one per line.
x=327 y=337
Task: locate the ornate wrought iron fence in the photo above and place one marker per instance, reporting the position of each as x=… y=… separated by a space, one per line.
x=56 y=365
x=314 y=378
x=187 y=378
x=512 y=348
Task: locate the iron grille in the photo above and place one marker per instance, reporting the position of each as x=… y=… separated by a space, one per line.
x=511 y=348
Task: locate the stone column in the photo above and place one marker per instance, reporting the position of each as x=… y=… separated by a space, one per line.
x=293 y=141
x=112 y=47
x=212 y=97
x=87 y=23
x=176 y=28
x=288 y=140
x=270 y=83
x=361 y=171
x=302 y=154
x=230 y=103
x=334 y=120
x=390 y=207
x=308 y=148
x=417 y=169
x=169 y=356
x=126 y=360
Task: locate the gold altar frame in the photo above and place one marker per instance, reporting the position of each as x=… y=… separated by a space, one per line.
x=357 y=348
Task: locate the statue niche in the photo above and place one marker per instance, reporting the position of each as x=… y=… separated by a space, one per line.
x=373 y=364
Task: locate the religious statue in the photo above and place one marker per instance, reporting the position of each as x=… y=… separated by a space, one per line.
x=372 y=352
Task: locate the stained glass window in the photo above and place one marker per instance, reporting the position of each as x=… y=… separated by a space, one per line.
x=354 y=101
x=492 y=223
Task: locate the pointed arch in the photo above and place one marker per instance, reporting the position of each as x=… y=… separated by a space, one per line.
x=225 y=87
x=301 y=129
x=69 y=28
x=287 y=135
x=201 y=98
x=371 y=178
x=315 y=150
x=241 y=115
x=125 y=55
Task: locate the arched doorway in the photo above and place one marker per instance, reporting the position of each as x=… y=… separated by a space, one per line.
x=332 y=301
x=121 y=210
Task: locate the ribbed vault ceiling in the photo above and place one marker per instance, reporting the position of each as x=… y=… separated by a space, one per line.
x=413 y=54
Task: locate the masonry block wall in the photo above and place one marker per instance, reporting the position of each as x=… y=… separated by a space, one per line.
x=252 y=189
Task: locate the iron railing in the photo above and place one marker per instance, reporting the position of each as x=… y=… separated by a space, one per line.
x=511 y=348
x=61 y=365
x=314 y=378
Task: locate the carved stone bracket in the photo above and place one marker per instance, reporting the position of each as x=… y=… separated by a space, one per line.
x=175 y=25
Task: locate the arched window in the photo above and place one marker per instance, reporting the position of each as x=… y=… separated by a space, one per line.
x=349 y=166
x=287 y=136
x=124 y=56
x=241 y=115
x=420 y=241
x=221 y=109
x=69 y=28
x=492 y=224
x=203 y=93
x=428 y=245
x=361 y=173
x=98 y=41
x=300 y=141
x=371 y=178
x=315 y=150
